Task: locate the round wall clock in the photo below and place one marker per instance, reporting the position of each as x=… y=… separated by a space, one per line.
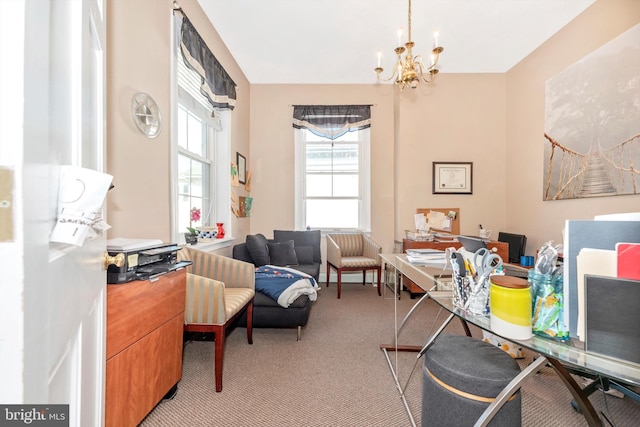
x=146 y=114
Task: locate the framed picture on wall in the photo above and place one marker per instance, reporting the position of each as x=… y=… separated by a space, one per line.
x=452 y=178
x=242 y=168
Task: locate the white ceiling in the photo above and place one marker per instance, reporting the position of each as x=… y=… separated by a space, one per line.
x=336 y=41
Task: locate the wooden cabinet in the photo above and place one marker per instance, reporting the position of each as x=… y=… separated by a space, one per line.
x=501 y=248
x=144 y=345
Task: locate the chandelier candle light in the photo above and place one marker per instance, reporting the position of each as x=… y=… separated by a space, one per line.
x=410 y=70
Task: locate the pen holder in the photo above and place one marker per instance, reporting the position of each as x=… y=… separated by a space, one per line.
x=479 y=299
x=461 y=289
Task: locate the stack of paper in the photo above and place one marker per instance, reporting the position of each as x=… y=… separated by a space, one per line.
x=426 y=256
x=420 y=236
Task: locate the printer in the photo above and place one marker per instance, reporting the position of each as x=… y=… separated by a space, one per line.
x=143 y=259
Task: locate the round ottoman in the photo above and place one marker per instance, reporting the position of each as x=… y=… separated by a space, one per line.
x=461 y=377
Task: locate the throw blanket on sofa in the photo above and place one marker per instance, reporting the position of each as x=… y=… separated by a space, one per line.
x=284 y=284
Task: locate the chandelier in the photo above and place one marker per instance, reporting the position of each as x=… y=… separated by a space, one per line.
x=410 y=70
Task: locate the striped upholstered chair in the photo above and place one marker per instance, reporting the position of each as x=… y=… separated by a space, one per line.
x=219 y=289
x=352 y=252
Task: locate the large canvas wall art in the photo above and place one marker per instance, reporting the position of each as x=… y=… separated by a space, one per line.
x=592 y=124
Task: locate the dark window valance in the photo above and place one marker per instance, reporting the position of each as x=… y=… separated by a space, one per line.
x=217 y=86
x=331 y=121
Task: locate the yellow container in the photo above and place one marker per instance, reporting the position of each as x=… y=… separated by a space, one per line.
x=510 y=302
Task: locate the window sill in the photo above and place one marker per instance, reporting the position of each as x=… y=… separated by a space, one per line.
x=208 y=245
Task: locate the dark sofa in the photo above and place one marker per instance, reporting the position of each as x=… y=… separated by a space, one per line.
x=267 y=313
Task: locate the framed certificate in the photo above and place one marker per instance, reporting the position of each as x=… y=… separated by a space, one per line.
x=452 y=178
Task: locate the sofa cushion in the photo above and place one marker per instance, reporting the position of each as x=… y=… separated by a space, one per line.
x=301 y=238
x=304 y=254
x=282 y=253
x=257 y=247
x=310 y=269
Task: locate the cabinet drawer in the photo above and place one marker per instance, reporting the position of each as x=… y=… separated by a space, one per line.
x=137 y=308
x=138 y=377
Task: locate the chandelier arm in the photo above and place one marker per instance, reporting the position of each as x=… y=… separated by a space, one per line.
x=419 y=59
x=394 y=75
x=421 y=74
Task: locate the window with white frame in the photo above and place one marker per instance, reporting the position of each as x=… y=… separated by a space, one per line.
x=333 y=181
x=202 y=147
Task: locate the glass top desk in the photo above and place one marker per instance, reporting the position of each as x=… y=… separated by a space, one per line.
x=559 y=355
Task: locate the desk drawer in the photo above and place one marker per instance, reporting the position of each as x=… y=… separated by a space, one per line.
x=137 y=308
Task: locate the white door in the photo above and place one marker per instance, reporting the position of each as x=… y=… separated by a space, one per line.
x=52 y=351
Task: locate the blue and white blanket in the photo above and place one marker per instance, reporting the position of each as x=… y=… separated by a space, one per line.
x=284 y=284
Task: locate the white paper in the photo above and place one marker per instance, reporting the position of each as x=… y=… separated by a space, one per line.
x=631 y=216
x=601 y=262
x=421 y=222
x=437 y=220
x=80 y=197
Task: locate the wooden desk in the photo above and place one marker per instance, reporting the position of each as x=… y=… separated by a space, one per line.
x=501 y=248
x=144 y=345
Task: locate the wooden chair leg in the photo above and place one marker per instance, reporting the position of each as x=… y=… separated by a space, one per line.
x=219 y=334
x=364 y=277
x=328 y=272
x=339 y=282
x=379 y=269
x=250 y=322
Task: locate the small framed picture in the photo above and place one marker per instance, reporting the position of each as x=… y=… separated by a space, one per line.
x=452 y=178
x=242 y=168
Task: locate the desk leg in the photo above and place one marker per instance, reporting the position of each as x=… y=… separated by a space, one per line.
x=398 y=386
x=586 y=408
x=508 y=391
x=433 y=337
x=467 y=331
x=396 y=283
x=399 y=328
x=415 y=306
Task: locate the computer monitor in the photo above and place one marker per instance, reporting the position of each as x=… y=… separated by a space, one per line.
x=517 y=245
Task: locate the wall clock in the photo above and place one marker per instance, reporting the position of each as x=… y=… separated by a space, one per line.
x=146 y=114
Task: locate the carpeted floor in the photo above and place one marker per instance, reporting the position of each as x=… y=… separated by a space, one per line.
x=337 y=375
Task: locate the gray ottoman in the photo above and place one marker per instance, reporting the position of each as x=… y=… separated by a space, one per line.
x=461 y=377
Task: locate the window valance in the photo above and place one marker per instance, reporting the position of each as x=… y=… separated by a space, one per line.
x=331 y=121
x=216 y=86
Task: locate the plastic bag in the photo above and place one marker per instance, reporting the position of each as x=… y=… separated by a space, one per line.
x=547 y=295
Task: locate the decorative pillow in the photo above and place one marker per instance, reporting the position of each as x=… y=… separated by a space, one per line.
x=304 y=254
x=257 y=248
x=282 y=254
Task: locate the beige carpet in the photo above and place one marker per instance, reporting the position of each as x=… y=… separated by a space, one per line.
x=337 y=375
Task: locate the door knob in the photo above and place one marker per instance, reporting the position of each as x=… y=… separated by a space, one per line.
x=117 y=260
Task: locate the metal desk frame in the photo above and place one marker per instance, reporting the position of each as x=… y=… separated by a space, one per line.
x=557 y=354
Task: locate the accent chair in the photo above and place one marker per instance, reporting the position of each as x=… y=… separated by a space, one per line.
x=352 y=252
x=219 y=290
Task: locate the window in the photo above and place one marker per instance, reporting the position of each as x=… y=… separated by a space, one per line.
x=202 y=156
x=332 y=179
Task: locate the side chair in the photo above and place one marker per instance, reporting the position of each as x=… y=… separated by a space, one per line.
x=352 y=252
x=219 y=290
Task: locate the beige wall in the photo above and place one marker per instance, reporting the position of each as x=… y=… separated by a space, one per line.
x=272 y=152
x=526 y=212
x=139 y=52
x=495 y=121
x=462 y=118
